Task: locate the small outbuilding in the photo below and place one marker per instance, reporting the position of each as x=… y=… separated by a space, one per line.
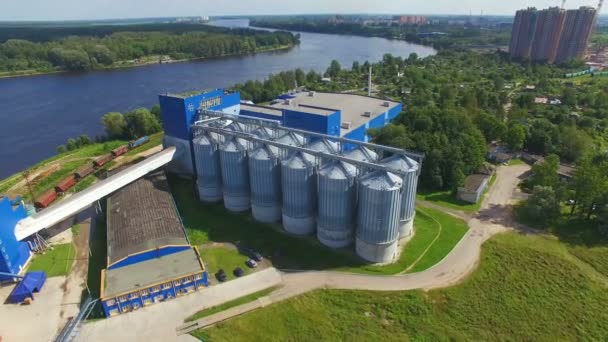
x=474 y=187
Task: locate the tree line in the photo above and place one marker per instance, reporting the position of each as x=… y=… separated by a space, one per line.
x=118 y=126
x=82 y=53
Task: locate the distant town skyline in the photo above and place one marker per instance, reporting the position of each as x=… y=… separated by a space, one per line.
x=119 y=9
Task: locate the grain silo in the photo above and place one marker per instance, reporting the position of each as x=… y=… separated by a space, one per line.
x=362 y=153
x=410 y=183
x=337 y=204
x=208 y=170
x=377 y=236
x=299 y=188
x=265 y=180
x=323 y=145
x=235 y=174
x=291 y=139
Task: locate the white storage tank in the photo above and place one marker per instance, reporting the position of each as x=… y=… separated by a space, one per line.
x=235 y=174
x=208 y=170
x=265 y=180
x=323 y=145
x=291 y=139
x=377 y=236
x=299 y=188
x=410 y=183
x=337 y=204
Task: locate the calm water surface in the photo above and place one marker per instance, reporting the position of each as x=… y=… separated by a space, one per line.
x=39 y=113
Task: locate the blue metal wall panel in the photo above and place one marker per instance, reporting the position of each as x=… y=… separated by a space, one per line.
x=325 y=124
x=179 y=113
x=152 y=254
x=13 y=254
x=261 y=115
x=136 y=299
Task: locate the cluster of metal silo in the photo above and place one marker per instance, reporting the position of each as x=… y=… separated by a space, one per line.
x=310 y=186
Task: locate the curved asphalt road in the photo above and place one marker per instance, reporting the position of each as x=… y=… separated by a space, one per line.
x=493 y=218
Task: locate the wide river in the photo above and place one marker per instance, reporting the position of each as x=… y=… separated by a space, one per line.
x=39 y=113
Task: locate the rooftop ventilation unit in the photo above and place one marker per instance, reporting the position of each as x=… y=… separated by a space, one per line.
x=311 y=94
x=386 y=104
x=367 y=114
x=346 y=125
x=288 y=102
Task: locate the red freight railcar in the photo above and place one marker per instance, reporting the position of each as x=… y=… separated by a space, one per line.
x=65 y=184
x=84 y=171
x=46 y=199
x=119 y=151
x=101 y=161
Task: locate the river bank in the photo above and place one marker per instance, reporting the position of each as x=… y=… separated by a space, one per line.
x=152 y=60
x=40 y=113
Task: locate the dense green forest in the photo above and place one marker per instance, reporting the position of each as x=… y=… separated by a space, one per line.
x=89 y=48
x=457 y=102
x=455 y=35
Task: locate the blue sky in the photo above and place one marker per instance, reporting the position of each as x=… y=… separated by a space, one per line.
x=107 y=9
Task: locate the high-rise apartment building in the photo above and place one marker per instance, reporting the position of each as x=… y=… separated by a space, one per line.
x=576 y=34
x=553 y=34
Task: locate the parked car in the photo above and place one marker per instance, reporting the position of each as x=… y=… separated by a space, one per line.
x=221 y=276
x=256 y=256
x=251 y=263
x=238 y=272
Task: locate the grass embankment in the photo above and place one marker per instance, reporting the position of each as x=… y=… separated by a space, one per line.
x=239 y=301
x=57 y=261
x=584 y=241
x=212 y=222
x=436 y=235
x=218 y=257
x=526 y=288
x=449 y=200
x=68 y=162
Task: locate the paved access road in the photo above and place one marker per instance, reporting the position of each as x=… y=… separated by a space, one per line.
x=495 y=216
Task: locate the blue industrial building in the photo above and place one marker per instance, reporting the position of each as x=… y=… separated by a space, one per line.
x=150 y=259
x=14 y=255
x=344 y=115
x=179 y=113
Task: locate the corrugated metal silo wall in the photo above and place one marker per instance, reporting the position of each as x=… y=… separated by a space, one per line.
x=209 y=172
x=235 y=172
x=265 y=180
x=410 y=183
x=337 y=205
x=378 y=213
x=299 y=188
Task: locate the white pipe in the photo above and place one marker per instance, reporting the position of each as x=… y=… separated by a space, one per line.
x=76 y=203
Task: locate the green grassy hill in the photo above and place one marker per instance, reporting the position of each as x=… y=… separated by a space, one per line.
x=527 y=288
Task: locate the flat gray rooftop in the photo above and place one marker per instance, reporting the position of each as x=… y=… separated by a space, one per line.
x=144 y=274
x=262 y=109
x=142 y=216
x=353 y=107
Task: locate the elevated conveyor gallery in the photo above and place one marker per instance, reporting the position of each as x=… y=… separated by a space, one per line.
x=84 y=199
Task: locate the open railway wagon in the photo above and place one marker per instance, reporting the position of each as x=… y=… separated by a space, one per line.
x=67 y=183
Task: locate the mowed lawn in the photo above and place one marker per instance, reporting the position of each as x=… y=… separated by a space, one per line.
x=217 y=257
x=526 y=288
x=56 y=261
x=436 y=235
x=212 y=222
